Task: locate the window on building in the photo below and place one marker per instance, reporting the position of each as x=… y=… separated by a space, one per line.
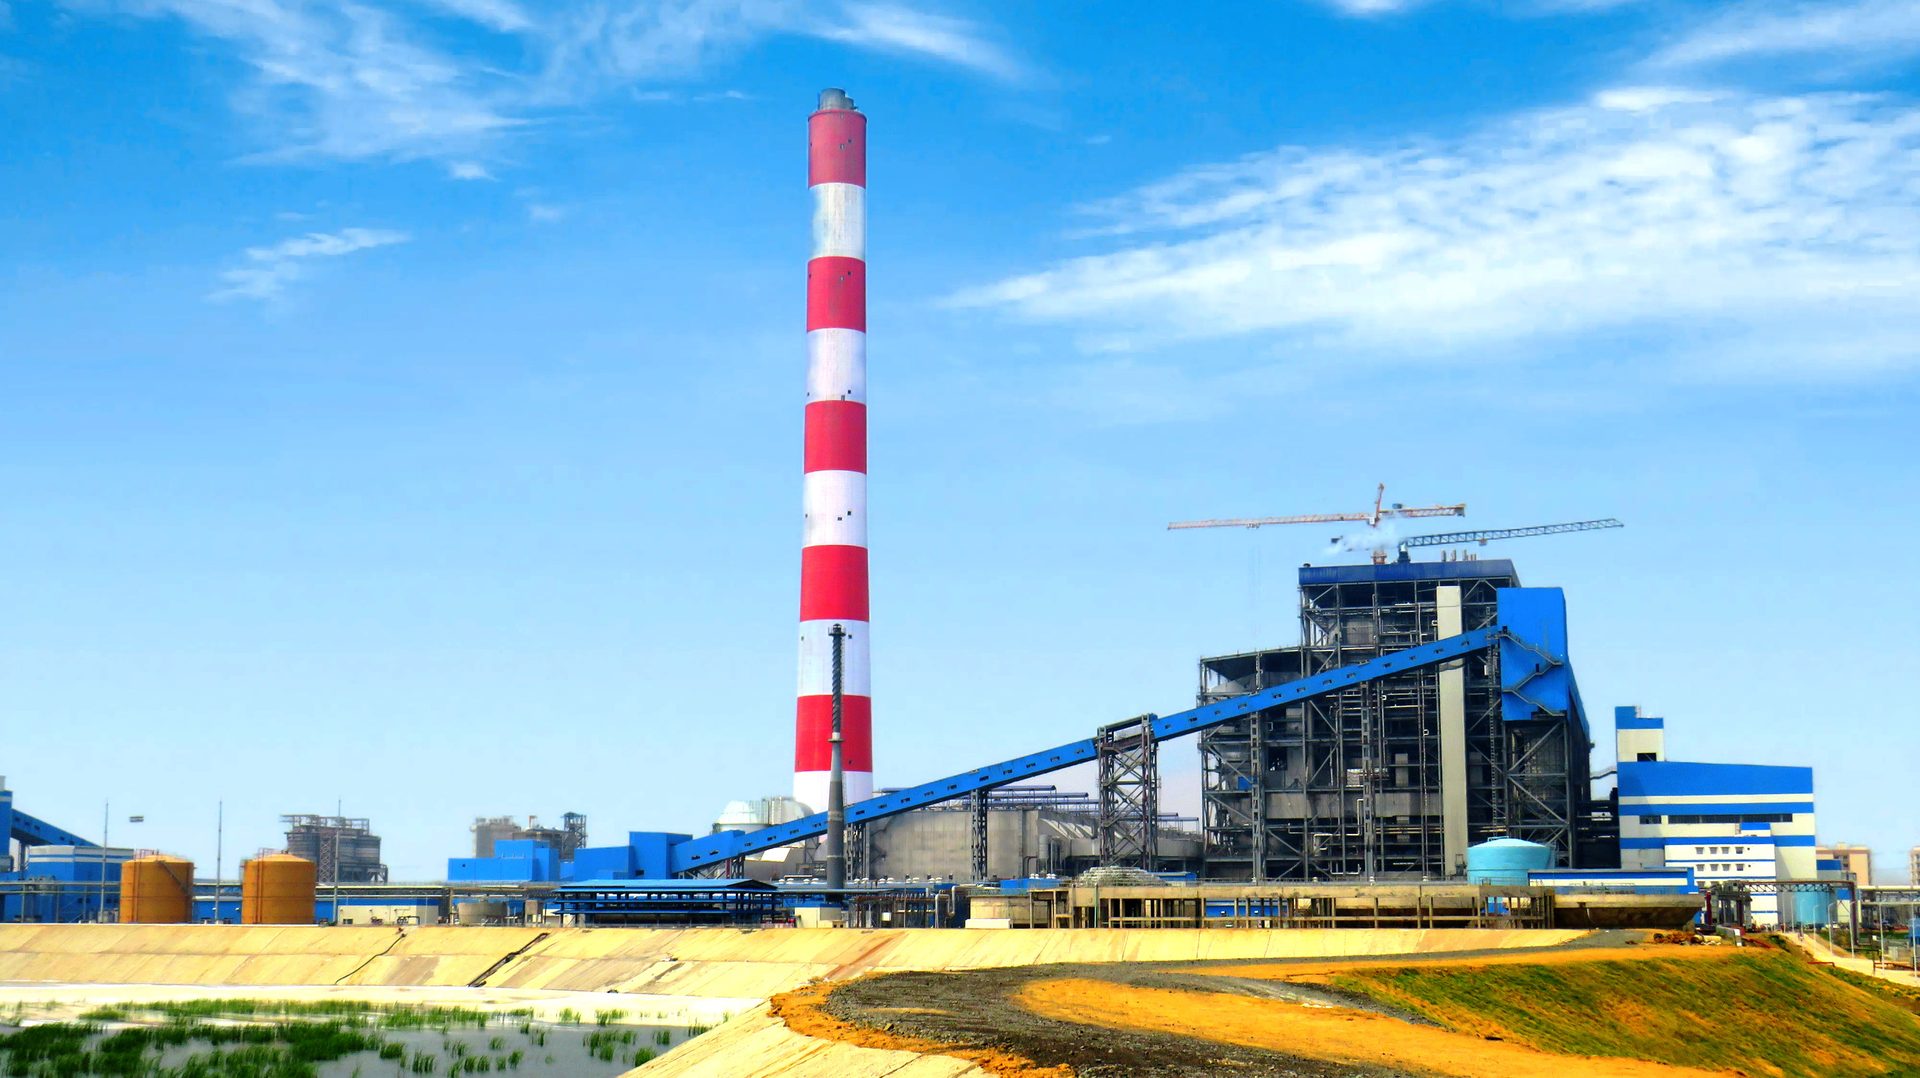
x=1651 y=819
x=1647 y=757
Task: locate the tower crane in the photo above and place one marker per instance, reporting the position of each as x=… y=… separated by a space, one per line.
x=1488 y=535
x=1381 y=511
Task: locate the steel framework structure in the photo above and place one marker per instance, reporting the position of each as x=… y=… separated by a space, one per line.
x=1129 y=767
x=1349 y=784
x=343 y=849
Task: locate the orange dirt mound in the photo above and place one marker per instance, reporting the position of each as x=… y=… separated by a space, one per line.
x=804 y=1012
x=1332 y=1033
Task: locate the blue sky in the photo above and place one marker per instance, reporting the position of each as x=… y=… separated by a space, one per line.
x=404 y=396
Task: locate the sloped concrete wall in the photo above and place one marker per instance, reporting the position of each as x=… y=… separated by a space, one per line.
x=252 y=955
x=704 y=962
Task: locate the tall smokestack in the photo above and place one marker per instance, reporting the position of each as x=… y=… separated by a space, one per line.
x=833 y=555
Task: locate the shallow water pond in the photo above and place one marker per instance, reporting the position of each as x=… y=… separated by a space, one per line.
x=265 y=1039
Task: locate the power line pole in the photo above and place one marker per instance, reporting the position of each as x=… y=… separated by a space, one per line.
x=219 y=854
x=106 y=831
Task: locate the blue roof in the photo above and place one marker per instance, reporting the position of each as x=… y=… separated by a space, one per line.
x=1413 y=570
x=1672 y=778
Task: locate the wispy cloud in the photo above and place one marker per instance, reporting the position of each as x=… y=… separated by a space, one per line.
x=371 y=79
x=339 y=80
x=896 y=29
x=267 y=271
x=1371 y=8
x=468 y=170
x=1857 y=28
x=1714 y=219
x=502 y=15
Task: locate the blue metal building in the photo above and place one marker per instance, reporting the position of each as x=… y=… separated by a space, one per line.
x=1728 y=823
x=56 y=875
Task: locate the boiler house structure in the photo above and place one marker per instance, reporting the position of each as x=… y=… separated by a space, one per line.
x=1398 y=777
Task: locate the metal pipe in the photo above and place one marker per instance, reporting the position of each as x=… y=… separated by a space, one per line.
x=837 y=778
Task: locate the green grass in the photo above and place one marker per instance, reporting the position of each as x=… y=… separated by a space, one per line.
x=386 y=1015
x=1758 y=1012
x=71 y=1050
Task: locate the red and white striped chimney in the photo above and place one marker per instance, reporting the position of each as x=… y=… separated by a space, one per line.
x=833 y=555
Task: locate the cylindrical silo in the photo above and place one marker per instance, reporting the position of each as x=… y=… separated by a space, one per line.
x=277 y=889
x=156 y=890
x=833 y=554
x=1506 y=861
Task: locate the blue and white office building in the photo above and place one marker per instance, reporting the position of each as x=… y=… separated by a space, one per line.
x=1722 y=821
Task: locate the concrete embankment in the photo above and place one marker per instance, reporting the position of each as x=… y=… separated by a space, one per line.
x=264 y=955
x=705 y=962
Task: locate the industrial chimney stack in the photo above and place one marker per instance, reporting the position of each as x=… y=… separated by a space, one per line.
x=833 y=555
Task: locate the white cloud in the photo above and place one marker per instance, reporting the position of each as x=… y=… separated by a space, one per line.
x=1711 y=221
x=545 y=213
x=896 y=29
x=1863 y=28
x=366 y=79
x=501 y=15
x=339 y=80
x=1370 y=8
x=468 y=170
x=268 y=271
x=1651 y=98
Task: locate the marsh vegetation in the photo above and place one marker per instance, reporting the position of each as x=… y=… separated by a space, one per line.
x=248 y=1038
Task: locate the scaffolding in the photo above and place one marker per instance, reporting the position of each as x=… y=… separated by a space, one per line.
x=1349 y=785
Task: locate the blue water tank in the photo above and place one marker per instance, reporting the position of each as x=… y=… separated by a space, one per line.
x=1506 y=861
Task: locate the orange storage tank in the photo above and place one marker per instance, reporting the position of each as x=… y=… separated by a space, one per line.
x=156 y=890
x=277 y=890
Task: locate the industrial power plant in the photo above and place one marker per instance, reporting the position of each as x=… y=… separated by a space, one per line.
x=1421 y=761
x=1427 y=734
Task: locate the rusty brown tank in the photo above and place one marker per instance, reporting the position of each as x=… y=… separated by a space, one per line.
x=277 y=890
x=156 y=890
